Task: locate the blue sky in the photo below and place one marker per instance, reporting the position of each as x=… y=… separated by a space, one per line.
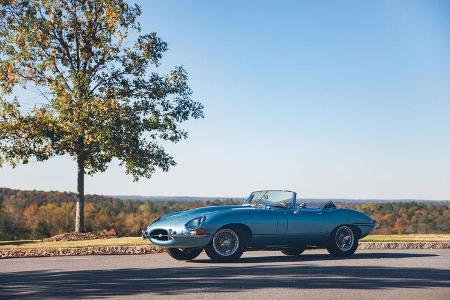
x=340 y=99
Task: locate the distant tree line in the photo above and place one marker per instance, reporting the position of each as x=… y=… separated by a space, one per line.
x=36 y=215
x=407 y=217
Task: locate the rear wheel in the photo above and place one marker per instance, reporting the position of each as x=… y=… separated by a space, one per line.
x=293 y=252
x=343 y=241
x=227 y=244
x=184 y=253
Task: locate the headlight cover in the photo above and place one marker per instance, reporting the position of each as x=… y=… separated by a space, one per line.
x=195 y=223
x=155 y=220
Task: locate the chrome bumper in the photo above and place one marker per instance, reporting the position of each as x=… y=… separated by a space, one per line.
x=172 y=239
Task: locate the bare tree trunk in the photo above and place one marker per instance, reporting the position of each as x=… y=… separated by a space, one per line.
x=79 y=218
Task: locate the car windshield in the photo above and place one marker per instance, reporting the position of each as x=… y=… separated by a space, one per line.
x=282 y=199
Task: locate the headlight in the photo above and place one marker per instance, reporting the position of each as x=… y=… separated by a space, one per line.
x=195 y=223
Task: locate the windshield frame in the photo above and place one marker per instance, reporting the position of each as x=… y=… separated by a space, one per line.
x=259 y=202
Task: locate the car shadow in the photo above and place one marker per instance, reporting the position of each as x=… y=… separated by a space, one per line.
x=217 y=278
x=321 y=257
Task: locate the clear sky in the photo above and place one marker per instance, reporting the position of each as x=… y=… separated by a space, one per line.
x=338 y=99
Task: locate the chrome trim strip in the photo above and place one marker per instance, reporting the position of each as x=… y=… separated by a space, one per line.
x=367 y=224
x=188 y=235
x=171 y=237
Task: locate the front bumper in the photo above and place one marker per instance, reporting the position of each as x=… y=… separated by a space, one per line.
x=173 y=238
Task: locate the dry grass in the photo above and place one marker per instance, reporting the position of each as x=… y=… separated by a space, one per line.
x=407 y=238
x=138 y=241
x=124 y=241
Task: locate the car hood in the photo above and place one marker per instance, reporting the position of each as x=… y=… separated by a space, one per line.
x=182 y=217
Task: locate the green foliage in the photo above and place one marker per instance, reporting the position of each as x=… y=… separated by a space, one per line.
x=39 y=231
x=28 y=214
x=103 y=100
x=103 y=97
x=5 y=227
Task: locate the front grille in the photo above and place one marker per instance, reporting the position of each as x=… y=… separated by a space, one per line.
x=159 y=234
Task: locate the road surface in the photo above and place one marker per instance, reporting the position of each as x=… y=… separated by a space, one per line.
x=381 y=274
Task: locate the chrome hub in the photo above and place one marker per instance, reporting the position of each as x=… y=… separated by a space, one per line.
x=226 y=242
x=345 y=238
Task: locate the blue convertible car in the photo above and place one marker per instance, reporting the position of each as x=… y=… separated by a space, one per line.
x=267 y=220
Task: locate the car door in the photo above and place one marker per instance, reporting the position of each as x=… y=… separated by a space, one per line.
x=305 y=226
x=269 y=227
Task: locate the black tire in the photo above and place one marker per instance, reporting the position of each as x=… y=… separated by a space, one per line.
x=184 y=253
x=338 y=246
x=227 y=233
x=293 y=252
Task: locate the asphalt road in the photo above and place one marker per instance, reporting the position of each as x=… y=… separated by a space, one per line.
x=393 y=274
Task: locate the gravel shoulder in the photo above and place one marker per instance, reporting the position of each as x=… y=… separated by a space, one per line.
x=136 y=245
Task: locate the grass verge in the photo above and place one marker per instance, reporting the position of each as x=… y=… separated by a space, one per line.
x=138 y=241
x=123 y=241
x=407 y=238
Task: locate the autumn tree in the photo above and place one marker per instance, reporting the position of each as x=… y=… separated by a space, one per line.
x=96 y=73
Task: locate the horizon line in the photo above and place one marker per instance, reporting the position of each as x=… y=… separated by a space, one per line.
x=305 y=198
x=236 y=197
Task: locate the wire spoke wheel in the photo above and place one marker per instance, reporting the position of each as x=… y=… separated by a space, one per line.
x=344 y=238
x=226 y=242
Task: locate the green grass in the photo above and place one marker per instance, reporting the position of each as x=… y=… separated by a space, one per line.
x=138 y=241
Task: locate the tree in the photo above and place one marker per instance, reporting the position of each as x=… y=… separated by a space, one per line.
x=5 y=227
x=40 y=231
x=102 y=97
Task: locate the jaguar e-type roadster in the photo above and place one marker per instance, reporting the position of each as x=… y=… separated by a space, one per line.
x=266 y=220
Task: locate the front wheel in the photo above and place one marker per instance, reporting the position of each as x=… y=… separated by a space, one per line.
x=343 y=241
x=227 y=245
x=184 y=253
